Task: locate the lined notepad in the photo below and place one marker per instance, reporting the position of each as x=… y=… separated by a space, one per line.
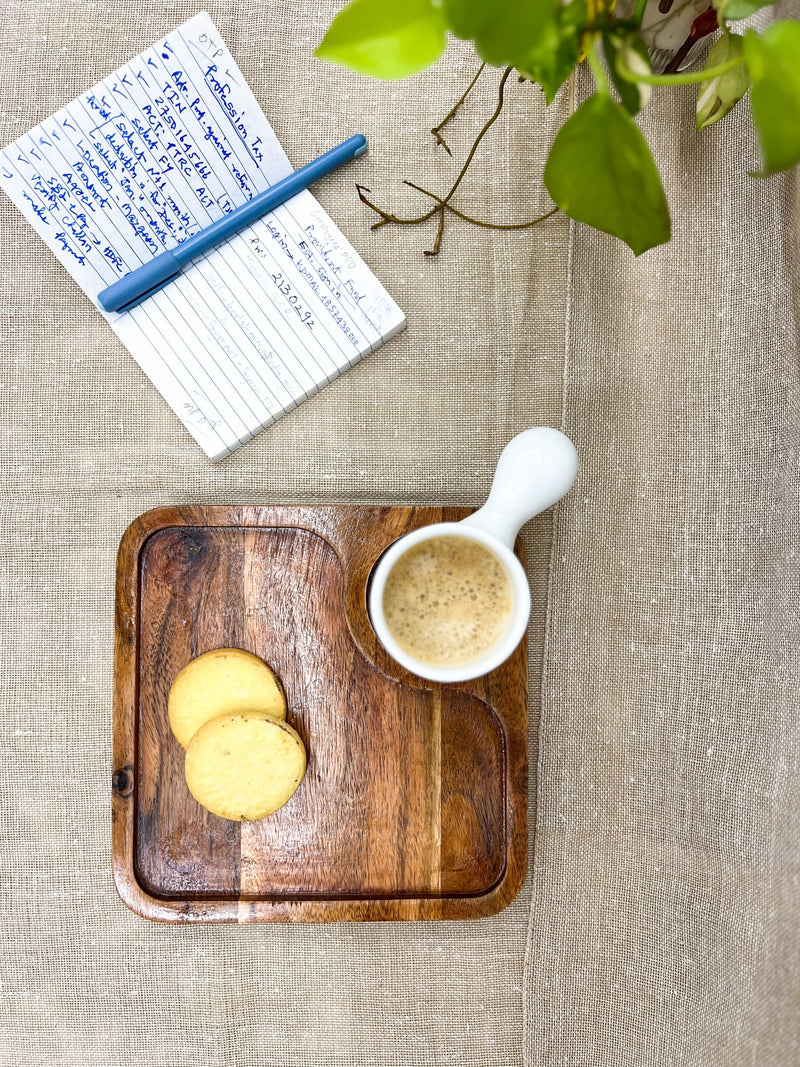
x=167 y=144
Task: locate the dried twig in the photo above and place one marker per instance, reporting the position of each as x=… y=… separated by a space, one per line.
x=437 y=130
x=442 y=204
x=482 y=222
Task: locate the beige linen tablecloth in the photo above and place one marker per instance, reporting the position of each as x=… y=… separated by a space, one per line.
x=659 y=921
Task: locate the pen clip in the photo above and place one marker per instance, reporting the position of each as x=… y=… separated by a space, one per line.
x=145 y=296
x=140 y=283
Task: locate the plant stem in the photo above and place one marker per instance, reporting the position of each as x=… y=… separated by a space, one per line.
x=491 y=121
x=437 y=244
x=594 y=61
x=638 y=14
x=437 y=130
x=689 y=78
x=441 y=204
x=482 y=222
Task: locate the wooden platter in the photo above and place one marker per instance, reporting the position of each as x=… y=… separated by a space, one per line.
x=414 y=804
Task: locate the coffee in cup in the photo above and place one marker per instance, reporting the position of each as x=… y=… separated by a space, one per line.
x=447 y=600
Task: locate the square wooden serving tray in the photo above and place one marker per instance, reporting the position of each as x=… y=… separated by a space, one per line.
x=414 y=803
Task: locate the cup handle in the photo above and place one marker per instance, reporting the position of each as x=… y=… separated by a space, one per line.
x=535 y=469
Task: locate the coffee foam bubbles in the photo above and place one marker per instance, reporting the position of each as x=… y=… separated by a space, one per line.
x=447 y=600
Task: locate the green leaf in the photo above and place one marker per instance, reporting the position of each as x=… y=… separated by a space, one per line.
x=551 y=67
x=467 y=18
x=505 y=32
x=385 y=40
x=739 y=9
x=630 y=52
x=715 y=98
x=600 y=171
x=773 y=62
x=541 y=38
x=551 y=58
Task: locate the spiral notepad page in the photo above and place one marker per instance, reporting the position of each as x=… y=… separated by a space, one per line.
x=158 y=150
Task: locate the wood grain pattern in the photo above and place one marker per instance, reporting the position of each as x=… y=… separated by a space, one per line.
x=414 y=803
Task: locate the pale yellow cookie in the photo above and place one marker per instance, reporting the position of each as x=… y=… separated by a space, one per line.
x=244 y=766
x=221 y=682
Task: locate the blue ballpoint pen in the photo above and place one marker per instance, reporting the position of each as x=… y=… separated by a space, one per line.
x=148 y=279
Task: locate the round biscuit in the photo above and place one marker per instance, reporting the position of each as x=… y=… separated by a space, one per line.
x=222 y=681
x=245 y=766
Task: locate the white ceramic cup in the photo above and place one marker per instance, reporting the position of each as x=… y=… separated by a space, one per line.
x=535 y=469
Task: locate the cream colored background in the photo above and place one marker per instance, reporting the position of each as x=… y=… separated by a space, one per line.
x=659 y=924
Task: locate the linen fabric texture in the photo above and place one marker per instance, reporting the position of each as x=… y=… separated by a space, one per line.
x=659 y=920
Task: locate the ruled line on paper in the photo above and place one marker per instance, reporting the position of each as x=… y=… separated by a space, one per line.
x=165 y=145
